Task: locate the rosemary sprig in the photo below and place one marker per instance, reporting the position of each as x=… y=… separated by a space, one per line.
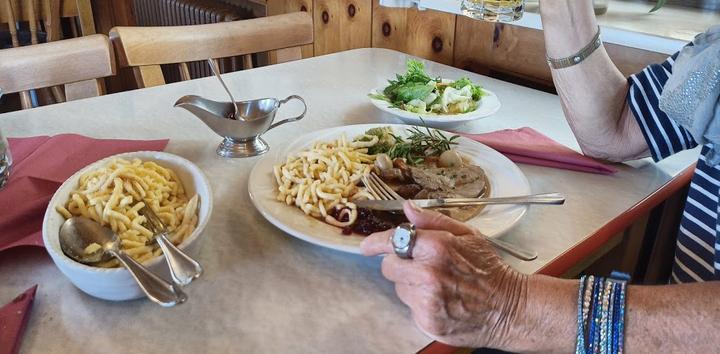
x=420 y=144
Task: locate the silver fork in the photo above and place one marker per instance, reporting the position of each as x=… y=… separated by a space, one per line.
x=183 y=268
x=380 y=190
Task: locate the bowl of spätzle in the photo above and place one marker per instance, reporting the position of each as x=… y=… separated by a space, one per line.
x=111 y=192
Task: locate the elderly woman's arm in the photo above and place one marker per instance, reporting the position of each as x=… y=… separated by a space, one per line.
x=461 y=293
x=593 y=93
x=679 y=318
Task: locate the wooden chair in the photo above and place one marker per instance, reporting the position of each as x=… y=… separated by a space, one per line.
x=78 y=63
x=146 y=48
x=48 y=14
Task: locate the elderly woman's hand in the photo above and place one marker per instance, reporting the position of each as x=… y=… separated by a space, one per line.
x=459 y=290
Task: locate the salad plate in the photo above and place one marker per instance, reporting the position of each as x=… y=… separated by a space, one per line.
x=504 y=178
x=419 y=99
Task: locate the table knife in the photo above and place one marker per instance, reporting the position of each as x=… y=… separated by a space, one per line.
x=391 y=205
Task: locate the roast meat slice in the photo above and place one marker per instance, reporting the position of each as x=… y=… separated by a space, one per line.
x=448 y=182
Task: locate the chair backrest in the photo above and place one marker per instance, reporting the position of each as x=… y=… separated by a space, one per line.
x=49 y=12
x=146 y=48
x=77 y=63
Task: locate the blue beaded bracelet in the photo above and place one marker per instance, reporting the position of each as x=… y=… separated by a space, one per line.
x=601 y=314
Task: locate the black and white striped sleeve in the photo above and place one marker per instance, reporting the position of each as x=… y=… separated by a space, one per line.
x=664 y=137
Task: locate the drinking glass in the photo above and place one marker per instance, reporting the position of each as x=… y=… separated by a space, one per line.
x=5 y=160
x=494 y=10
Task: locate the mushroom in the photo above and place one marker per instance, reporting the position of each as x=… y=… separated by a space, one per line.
x=383 y=162
x=450 y=158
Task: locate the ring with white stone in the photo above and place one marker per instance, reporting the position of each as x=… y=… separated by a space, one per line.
x=403 y=240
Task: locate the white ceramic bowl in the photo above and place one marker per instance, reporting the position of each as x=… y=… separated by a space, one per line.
x=117 y=283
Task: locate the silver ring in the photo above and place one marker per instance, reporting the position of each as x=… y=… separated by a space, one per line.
x=403 y=240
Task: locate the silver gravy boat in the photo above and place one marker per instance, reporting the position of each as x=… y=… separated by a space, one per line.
x=241 y=137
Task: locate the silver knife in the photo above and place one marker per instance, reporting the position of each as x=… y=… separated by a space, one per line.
x=391 y=205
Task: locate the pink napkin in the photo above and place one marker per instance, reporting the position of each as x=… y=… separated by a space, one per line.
x=13 y=319
x=526 y=145
x=40 y=165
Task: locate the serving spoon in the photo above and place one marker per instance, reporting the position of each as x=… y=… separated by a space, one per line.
x=77 y=233
x=216 y=71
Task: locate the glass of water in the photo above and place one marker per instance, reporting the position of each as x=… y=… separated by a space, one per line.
x=5 y=161
x=494 y=10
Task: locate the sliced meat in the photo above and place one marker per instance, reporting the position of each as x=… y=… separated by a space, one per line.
x=431 y=178
x=408 y=191
x=437 y=182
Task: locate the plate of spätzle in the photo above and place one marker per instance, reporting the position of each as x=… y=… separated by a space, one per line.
x=308 y=189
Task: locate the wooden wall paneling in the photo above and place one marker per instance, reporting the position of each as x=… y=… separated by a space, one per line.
x=108 y=14
x=341 y=25
x=520 y=51
x=278 y=7
x=389 y=27
x=486 y=48
x=427 y=34
x=473 y=45
x=632 y=60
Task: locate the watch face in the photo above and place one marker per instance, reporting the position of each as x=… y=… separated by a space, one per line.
x=401 y=237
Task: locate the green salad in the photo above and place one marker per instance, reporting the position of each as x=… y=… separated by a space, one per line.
x=417 y=92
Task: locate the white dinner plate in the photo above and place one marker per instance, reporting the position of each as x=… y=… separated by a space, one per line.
x=489 y=105
x=505 y=178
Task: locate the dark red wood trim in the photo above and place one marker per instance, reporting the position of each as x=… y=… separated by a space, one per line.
x=438 y=348
x=562 y=263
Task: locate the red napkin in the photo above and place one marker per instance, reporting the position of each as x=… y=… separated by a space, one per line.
x=527 y=145
x=40 y=165
x=13 y=319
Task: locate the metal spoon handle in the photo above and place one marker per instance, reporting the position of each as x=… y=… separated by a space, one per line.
x=513 y=250
x=183 y=268
x=156 y=289
x=216 y=71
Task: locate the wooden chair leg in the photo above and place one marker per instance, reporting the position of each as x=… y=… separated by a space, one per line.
x=25 y=100
x=58 y=94
x=247 y=61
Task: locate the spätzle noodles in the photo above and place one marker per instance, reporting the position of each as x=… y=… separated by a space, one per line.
x=113 y=195
x=323 y=177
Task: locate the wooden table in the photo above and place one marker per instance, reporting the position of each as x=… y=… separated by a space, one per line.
x=264 y=291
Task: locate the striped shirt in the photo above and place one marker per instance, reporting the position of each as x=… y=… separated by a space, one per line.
x=697 y=255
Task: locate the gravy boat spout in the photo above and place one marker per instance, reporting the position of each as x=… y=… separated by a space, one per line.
x=241 y=137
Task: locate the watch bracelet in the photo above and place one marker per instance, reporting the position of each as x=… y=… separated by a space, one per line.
x=578 y=57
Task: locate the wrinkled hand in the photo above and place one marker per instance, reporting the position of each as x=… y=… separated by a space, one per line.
x=459 y=290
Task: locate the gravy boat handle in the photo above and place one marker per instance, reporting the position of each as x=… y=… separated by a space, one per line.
x=292 y=119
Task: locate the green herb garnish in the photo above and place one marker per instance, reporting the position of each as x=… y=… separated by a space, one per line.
x=419 y=145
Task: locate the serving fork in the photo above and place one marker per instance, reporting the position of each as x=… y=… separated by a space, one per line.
x=381 y=191
x=183 y=269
